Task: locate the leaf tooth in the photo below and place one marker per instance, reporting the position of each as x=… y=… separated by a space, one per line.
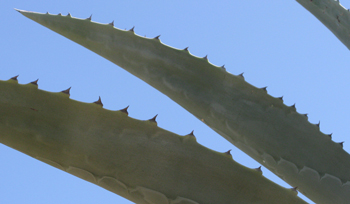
x=35 y=82
x=330 y=135
x=189 y=137
x=264 y=89
x=228 y=152
x=59 y=14
x=280 y=98
x=132 y=29
x=241 y=75
x=223 y=67
x=295 y=189
x=15 y=78
x=153 y=119
x=47 y=13
x=191 y=133
x=111 y=23
x=318 y=124
x=205 y=57
x=69 y=15
x=125 y=110
x=67 y=91
x=89 y=19
x=293 y=106
x=99 y=102
x=186 y=49
x=157 y=37
x=341 y=144
x=305 y=114
x=258 y=169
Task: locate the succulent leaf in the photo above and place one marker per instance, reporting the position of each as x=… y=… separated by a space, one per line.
x=272 y=133
x=129 y=157
x=333 y=15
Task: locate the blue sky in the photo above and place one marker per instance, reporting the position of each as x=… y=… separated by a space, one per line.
x=275 y=43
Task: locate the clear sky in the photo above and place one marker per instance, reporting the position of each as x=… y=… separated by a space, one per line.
x=277 y=44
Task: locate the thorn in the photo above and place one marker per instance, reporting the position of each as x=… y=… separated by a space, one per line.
x=223 y=67
x=241 y=75
x=132 y=29
x=228 y=152
x=341 y=144
x=330 y=135
x=67 y=91
x=125 y=110
x=153 y=119
x=295 y=189
x=89 y=18
x=111 y=23
x=264 y=88
x=15 y=78
x=99 y=102
x=157 y=37
x=69 y=15
x=258 y=169
x=205 y=57
x=35 y=82
x=281 y=98
x=186 y=49
x=59 y=14
x=318 y=124
x=191 y=134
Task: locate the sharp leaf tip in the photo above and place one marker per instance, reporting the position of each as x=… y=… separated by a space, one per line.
x=258 y=169
x=99 y=101
x=264 y=88
x=67 y=91
x=191 y=133
x=295 y=189
x=125 y=110
x=15 y=78
x=153 y=119
x=35 y=82
x=228 y=152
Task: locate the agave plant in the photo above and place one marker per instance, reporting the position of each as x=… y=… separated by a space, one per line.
x=82 y=140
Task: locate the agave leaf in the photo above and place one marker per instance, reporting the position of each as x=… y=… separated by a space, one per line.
x=272 y=133
x=333 y=15
x=135 y=159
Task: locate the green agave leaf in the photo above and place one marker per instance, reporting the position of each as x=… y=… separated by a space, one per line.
x=272 y=133
x=133 y=158
x=333 y=15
